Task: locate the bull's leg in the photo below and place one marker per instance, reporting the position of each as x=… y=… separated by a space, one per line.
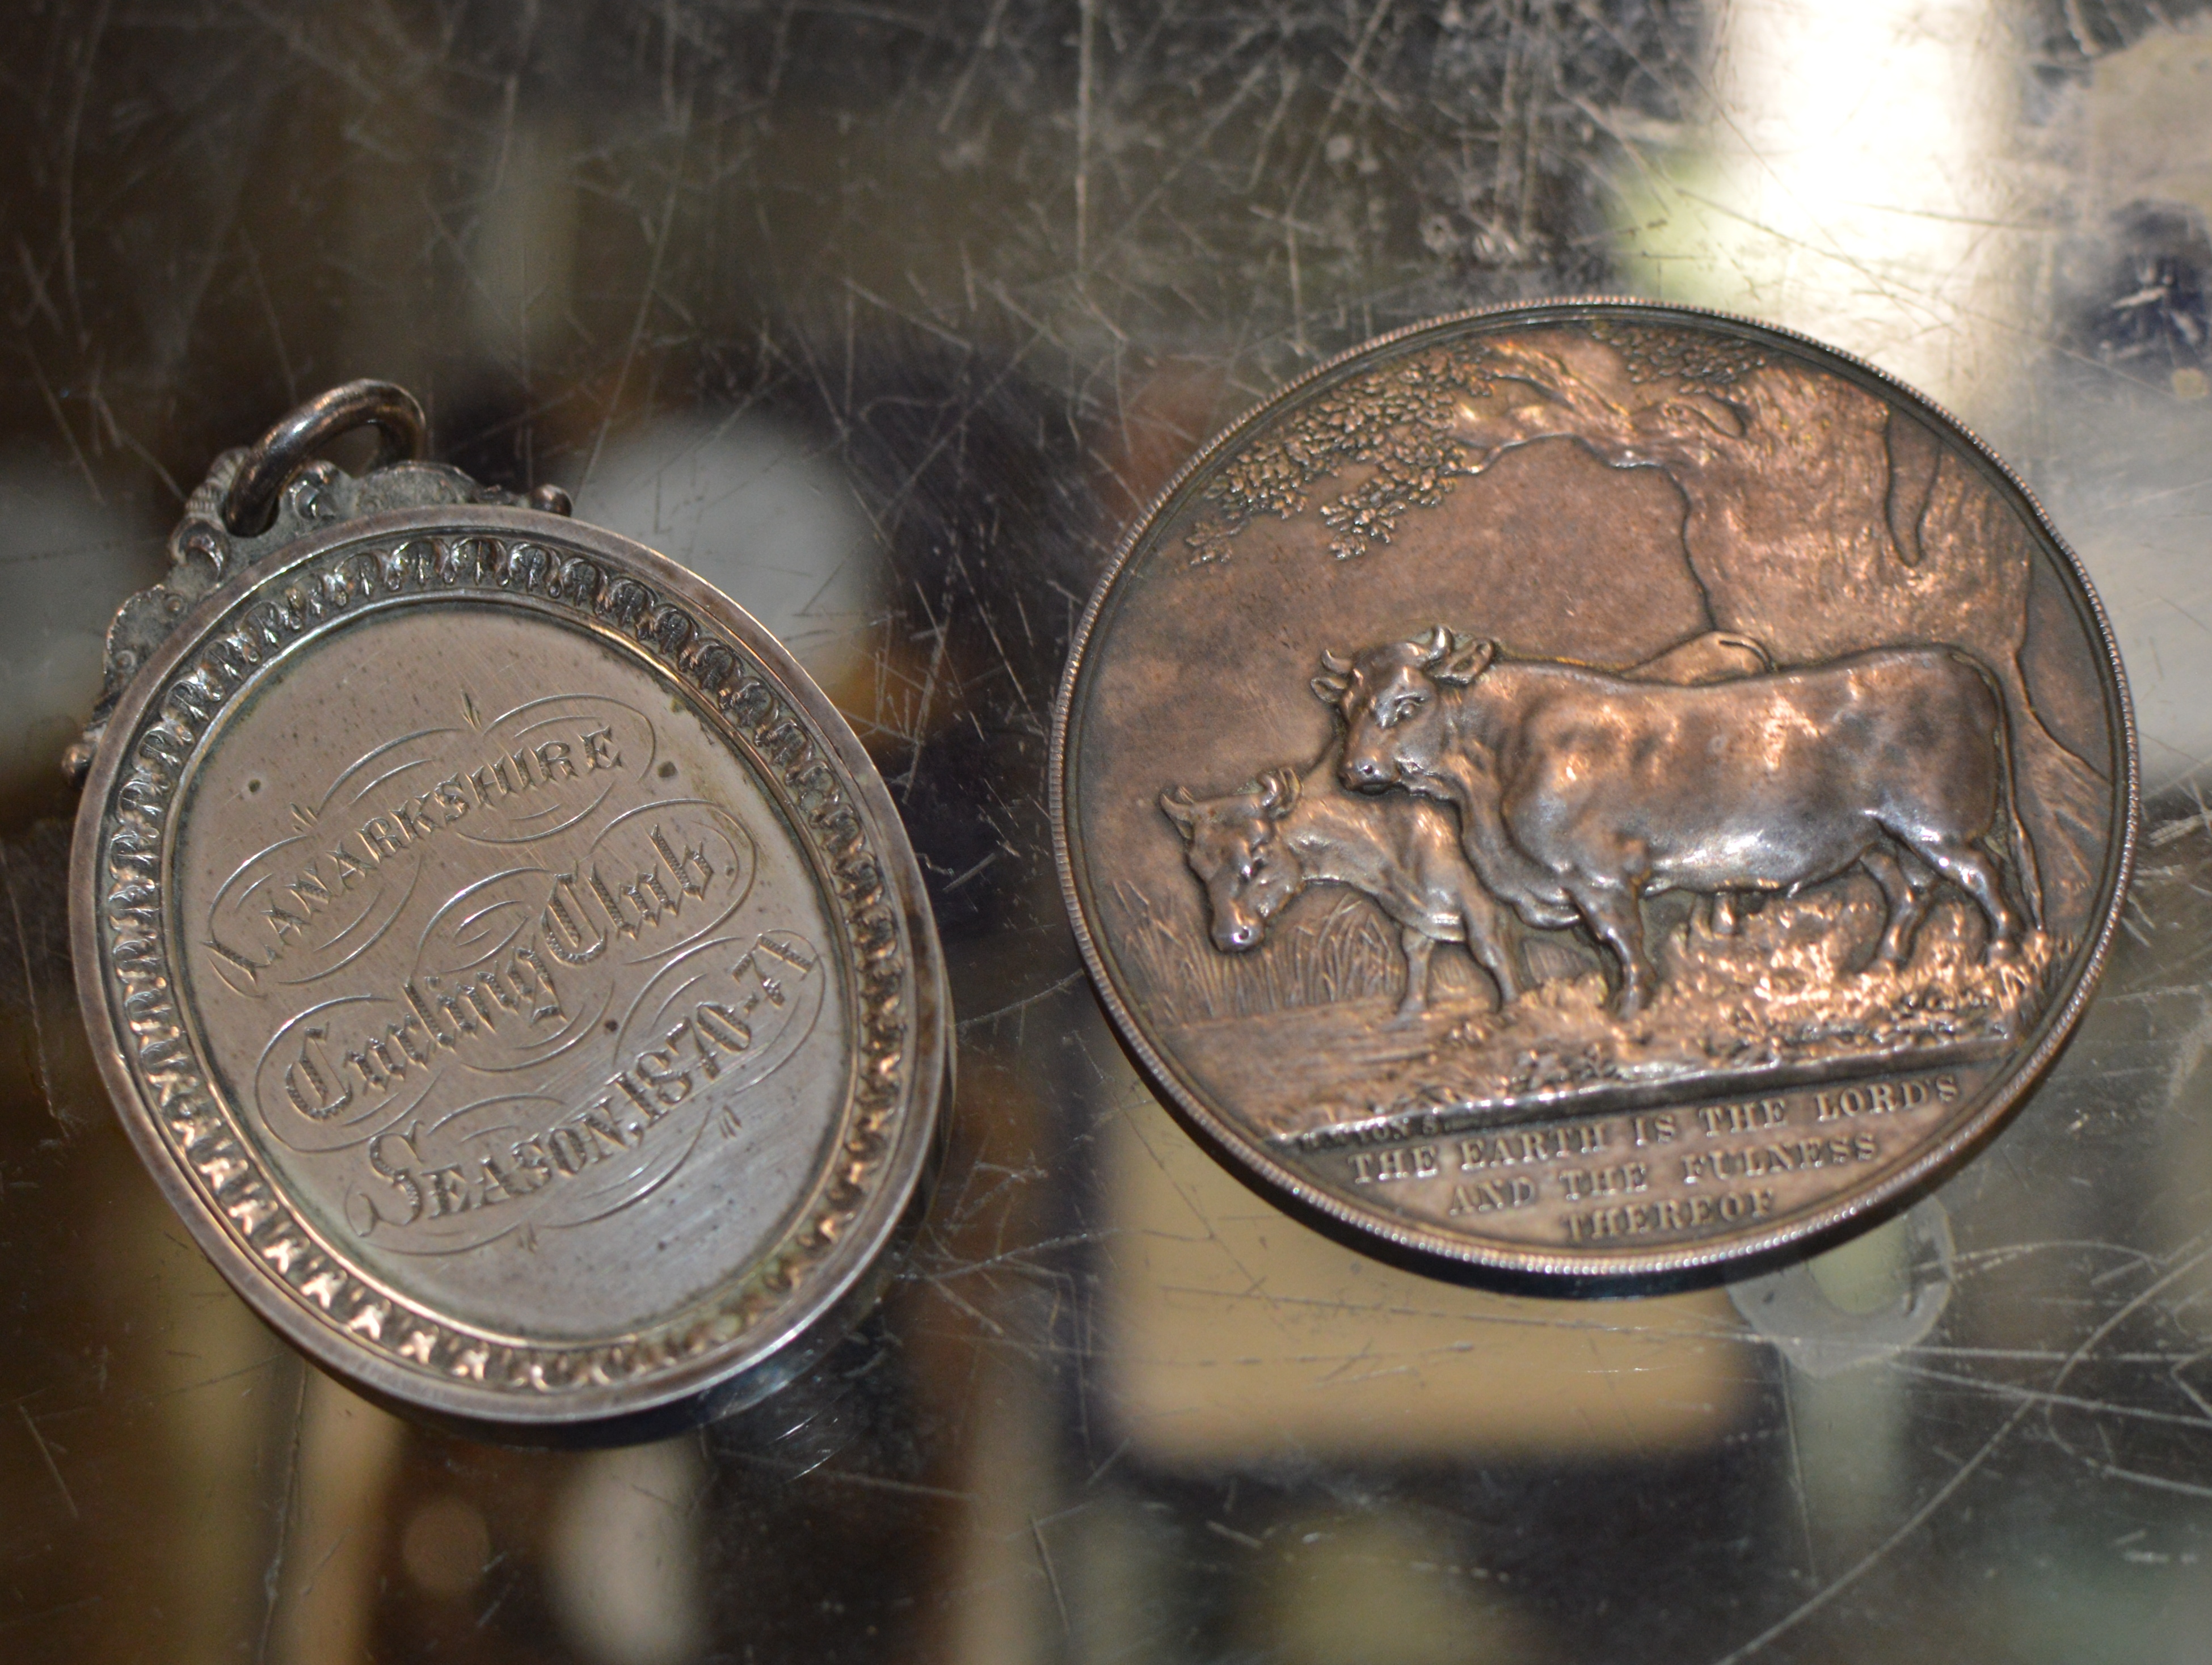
x=1493 y=939
x=1497 y=860
x=1917 y=873
x=1967 y=867
x=1418 y=945
x=1908 y=905
x=1612 y=912
x=1720 y=913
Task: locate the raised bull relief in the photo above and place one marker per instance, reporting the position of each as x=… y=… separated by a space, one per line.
x=1583 y=792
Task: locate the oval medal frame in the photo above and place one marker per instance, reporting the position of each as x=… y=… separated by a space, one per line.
x=745 y=1328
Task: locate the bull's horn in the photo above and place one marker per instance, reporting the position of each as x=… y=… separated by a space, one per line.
x=1180 y=807
x=1333 y=661
x=1468 y=659
x=1436 y=645
x=1279 y=792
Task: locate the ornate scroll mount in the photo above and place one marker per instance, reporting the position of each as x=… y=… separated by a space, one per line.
x=203 y=551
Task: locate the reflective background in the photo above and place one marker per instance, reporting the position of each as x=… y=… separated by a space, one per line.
x=888 y=319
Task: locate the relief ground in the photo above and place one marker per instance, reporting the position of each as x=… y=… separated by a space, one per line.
x=1788 y=998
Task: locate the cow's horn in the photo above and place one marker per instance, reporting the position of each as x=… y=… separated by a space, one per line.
x=1438 y=644
x=1278 y=791
x=1333 y=661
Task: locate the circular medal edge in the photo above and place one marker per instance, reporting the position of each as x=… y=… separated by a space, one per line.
x=677 y=1373
x=1895 y=1185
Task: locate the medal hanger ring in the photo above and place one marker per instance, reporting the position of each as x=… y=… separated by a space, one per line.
x=250 y=506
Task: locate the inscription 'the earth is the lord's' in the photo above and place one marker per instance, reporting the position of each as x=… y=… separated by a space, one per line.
x=1652 y=1173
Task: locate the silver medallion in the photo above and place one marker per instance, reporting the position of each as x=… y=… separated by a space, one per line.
x=505 y=958
x=1594 y=789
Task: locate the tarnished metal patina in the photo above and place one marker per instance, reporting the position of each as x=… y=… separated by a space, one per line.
x=1734 y=721
x=503 y=956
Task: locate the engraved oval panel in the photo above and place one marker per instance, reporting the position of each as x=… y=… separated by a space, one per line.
x=571 y=1002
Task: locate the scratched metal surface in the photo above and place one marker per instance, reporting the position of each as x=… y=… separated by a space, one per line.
x=888 y=319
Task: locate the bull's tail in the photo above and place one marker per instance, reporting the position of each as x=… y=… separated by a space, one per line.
x=2023 y=852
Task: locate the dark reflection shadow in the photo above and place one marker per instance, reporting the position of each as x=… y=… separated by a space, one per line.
x=1001 y=269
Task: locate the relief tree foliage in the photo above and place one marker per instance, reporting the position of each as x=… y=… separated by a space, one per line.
x=1819 y=519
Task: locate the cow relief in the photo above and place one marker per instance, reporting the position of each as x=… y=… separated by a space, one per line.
x=1256 y=849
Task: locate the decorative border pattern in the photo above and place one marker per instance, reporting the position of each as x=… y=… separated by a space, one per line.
x=201 y=1133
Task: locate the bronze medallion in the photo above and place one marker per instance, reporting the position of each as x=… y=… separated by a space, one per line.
x=1594 y=789
x=504 y=957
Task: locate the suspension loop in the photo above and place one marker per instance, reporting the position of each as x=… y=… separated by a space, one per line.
x=249 y=508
